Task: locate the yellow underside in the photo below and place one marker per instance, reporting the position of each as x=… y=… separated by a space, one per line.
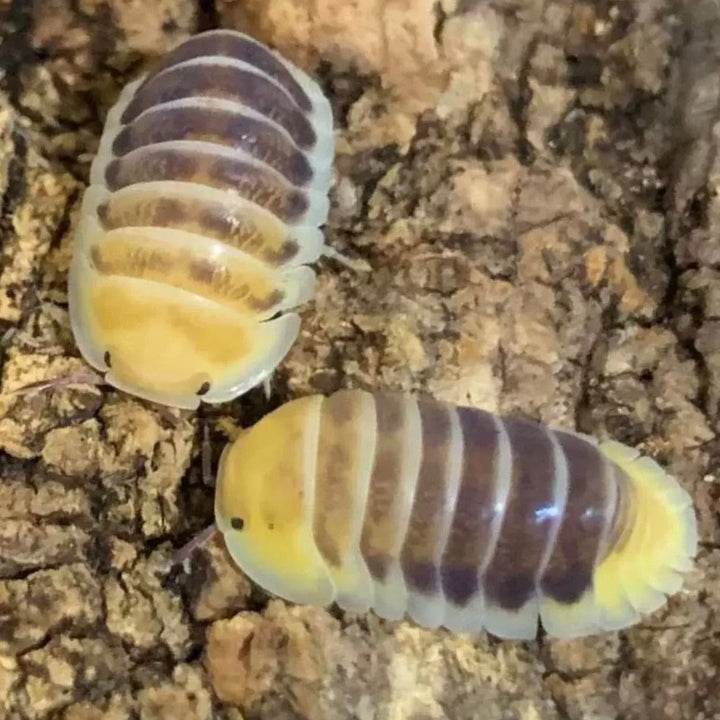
x=645 y=564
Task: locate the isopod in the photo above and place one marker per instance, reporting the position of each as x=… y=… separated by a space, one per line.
x=453 y=516
x=203 y=214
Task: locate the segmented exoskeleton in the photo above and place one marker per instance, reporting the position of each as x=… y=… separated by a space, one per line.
x=452 y=515
x=203 y=212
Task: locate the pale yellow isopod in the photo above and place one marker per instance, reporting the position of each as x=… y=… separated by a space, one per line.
x=452 y=516
x=202 y=216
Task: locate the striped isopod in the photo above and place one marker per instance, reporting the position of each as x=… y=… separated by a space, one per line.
x=204 y=210
x=451 y=515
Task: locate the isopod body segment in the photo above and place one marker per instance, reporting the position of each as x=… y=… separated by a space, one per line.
x=203 y=213
x=451 y=515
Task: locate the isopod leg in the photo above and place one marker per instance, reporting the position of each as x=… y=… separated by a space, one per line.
x=184 y=553
x=206 y=457
x=355 y=264
x=86 y=376
x=267 y=387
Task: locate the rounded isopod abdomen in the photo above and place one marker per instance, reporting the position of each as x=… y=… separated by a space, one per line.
x=203 y=212
x=453 y=516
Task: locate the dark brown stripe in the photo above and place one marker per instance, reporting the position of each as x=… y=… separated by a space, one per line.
x=263 y=238
x=336 y=473
x=229 y=83
x=475 y=511
x=252 y=182
x=569 y=571
x=509 y=580
x=230 y=45
x=223 y=280
x=422 y=540
x=384 y=498
x=231 y=129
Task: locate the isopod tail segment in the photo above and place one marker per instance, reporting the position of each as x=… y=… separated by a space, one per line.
x=203 y=216
x=452 y=516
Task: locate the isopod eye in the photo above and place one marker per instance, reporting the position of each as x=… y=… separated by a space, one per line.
x=204 y=388
x=237 y=523
x=106 y=358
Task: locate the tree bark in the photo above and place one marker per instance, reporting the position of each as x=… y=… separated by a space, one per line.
x=535 y=185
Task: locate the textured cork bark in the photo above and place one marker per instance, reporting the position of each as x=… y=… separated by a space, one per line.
x=535 y=185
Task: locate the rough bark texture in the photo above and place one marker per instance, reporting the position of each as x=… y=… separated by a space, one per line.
x=535 y=184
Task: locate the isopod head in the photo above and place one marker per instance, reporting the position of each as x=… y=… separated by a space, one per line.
x=263 y=503
x=166 y=345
